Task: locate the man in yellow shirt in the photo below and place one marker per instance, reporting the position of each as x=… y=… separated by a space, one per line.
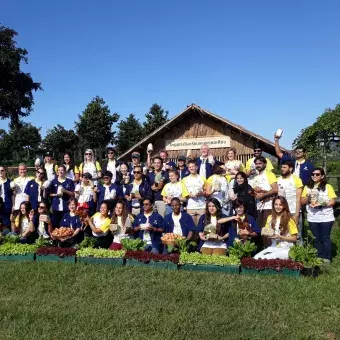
x=250 y=165
x=265 y=189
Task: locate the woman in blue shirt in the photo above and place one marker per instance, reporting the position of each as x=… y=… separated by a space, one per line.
x=149 y=226
x=61 y=189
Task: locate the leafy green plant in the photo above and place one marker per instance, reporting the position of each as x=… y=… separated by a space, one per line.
x=17 y=249
x=217 y=260
x=306 y=253
x=100 y=253
x=88 y=242
x=133 y=244
x=241 y=250
x=183 y=246
x=12 y=239
x=41 y=242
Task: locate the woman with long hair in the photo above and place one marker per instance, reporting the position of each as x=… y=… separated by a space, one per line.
x=124 y=177
x=217 y=187
x=100 y=226
x=42 y=221
x=320 y=198
x=72 y=171
x=121 y=224
x=242 y=190
x=232 y=165
x=90 y=165
x=212 y=233
x=242 y=226
x=22 y=223
x=280 y=229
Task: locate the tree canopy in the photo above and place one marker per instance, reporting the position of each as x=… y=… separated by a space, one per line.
x=16 y=87
x=155 y=118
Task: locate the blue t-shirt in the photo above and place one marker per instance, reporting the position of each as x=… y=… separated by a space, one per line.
x=69 y=221
x=151 y=180
x=186 y=222
x=32 y=190
x=68 y=185
x=306 y=168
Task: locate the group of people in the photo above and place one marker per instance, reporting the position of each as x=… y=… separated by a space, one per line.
x=202 y=199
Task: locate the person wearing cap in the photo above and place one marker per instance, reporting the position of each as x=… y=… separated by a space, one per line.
x=135 y=160
x=250 y=165
x=111 y=164
x=157 y=179
x=205 y=162
x=108 y=191
x=85 y=192
x=90 y=165
x=50 y=166
x=137 y=190
x=182 y=168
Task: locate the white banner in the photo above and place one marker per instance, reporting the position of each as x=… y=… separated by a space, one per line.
x=196 y=143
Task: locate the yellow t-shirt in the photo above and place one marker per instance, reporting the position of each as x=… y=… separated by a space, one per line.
x=292 y=229
x=75 y=169
x=175 y=189
x=81 y=166
x=330 y=192
x=103 y=225
x=250 y=161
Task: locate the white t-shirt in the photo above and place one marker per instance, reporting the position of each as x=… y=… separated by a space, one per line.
x=177 y=225
x=214 y=244
x=85 y=193
x=50 y=171
x=20 y=196
x=195 y=184
x=287 y=187
x=111 y=166
x=147 y=236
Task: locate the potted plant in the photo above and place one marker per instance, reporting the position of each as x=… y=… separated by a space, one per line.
x=56 y=254
x=211 y=263
x=144 y=258
x=307 y=255
x=289 y=267
x=101 y=256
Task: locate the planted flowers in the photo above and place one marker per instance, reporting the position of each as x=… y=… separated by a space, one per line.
x=275 y=264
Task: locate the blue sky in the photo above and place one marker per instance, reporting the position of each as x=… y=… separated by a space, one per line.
x=262 y=64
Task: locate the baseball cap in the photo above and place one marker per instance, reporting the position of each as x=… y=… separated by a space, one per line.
x=182 y=158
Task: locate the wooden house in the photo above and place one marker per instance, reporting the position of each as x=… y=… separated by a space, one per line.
x=185 y=133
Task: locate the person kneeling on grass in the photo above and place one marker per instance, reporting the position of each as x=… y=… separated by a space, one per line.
x=22 y=224
x=149 y=226
x=281 y=229
x=212 y=233
x=71 y=220
x=241 y=225
x=42 y=221
x=121 y=225
x=179 y=223
x=100 y=226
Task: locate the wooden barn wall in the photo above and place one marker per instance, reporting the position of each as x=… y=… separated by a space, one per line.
x=194 y=126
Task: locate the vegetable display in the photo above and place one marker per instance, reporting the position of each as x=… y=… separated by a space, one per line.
x=275 y=264
x=88 y=242
x=217 y=260
x=100 y=253
x=12 y=239
x=41 y=242
x=146 y=257
x=17 y=249
x=171 y=238
x=133 y=244
x=240 y=249
x=58 y=251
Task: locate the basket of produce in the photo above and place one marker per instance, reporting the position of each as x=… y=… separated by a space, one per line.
x=62 y=233
x=170 y=239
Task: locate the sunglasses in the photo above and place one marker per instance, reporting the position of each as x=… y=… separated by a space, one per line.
x=110 y=153
x=257 y=150
x=136 y=172
x=106 y=177
x=316 y=174
x=41 y=207
x=88 y=154
x=40 y=173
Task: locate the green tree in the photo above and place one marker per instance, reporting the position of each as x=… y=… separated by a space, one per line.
x=320 y=138
x=24 y=140
x=16 y=87
x=155 y=118
x=94 y=126
x=59 y=140
x=129 y=133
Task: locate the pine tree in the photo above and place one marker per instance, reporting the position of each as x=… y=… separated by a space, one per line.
x=130 y=131
x=155 y=118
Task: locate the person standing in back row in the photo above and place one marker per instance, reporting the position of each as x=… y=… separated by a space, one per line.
x=302 y=167
x=250 y=165
x=205 y=162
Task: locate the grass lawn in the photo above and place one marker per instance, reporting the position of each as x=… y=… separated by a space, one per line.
x=65 y=301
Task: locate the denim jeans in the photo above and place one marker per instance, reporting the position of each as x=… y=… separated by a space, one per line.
x=322 y=234
x=152 y=249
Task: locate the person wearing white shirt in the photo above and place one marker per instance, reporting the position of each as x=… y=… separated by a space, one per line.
x=18 y=186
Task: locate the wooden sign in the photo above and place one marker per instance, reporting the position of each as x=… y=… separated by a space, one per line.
x=196 y=143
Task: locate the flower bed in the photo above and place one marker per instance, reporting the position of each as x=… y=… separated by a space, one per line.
x=273 y=266
x=17 y=252
x=101 y=256
x=209 y=263
x=144 y=258
x=52 y=254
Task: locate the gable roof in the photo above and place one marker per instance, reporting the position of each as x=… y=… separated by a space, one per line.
x=268 y=146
